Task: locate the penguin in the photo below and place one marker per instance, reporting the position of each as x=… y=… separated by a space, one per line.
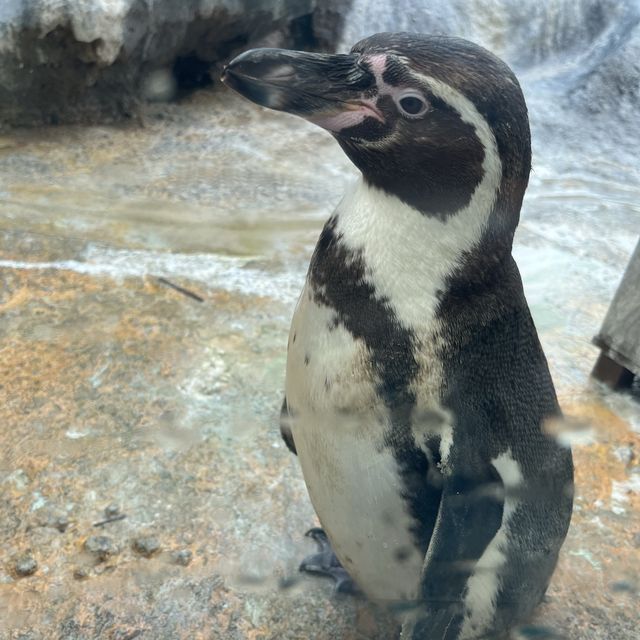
x=417 y=393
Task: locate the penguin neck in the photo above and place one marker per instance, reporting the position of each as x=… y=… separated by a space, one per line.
x=409 y=257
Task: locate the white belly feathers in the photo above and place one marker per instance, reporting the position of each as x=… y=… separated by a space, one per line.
x=338 y=423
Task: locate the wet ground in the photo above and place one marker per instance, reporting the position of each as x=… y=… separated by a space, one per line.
x=127 y=400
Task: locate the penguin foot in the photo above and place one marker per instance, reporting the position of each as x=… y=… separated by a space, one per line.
x=325 y=563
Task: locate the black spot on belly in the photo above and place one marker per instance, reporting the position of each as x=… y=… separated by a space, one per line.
x=337 y=277
x=387 y=518
x=295 y=335
x=402 y=554
x=307 y=359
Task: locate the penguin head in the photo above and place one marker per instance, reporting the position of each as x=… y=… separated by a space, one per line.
x=432 y=120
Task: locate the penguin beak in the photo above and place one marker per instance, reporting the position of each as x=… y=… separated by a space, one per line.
x=326 y=89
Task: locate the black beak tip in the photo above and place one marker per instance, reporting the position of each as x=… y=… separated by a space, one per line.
x=236 y=71
x=230 y=78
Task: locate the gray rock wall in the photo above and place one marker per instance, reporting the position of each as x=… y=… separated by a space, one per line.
x=619 y=337
x=612 y=85
x=329 y=18
x=82 y=60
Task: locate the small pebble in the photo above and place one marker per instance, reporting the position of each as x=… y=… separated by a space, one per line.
x=61 y=523
x=102 y=547
x=621 y=586
x=112 y=510
x=26 y=566
x=146 y=546
x=80 y=573
x=182 y=557
x=537 y=632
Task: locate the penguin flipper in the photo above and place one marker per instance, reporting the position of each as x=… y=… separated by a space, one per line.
x=285 y=427
x=469 y=518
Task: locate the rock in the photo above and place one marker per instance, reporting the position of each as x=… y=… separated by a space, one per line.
x=102 y=547
x=623 y=586
x=54 y=519
x=61 y=523
x=87 y=60
x=111 y=511
x=80 y=573
x=146 y=546
x=25 y=566
x=619 y=336
x=182 y=557
x=328 y=22
x=612 y=85
x=535 y=632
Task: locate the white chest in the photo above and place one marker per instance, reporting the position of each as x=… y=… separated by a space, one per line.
x=338 y=424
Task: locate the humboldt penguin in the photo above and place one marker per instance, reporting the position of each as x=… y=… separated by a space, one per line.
x=417 y=392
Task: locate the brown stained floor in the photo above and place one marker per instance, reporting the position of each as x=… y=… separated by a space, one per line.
x=116 y=389
x=98 y=412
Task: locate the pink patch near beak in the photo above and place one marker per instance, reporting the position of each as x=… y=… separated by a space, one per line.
x=357 y=112
x=348 y=118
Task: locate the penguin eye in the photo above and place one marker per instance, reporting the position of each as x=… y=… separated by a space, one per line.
x=412 y=105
